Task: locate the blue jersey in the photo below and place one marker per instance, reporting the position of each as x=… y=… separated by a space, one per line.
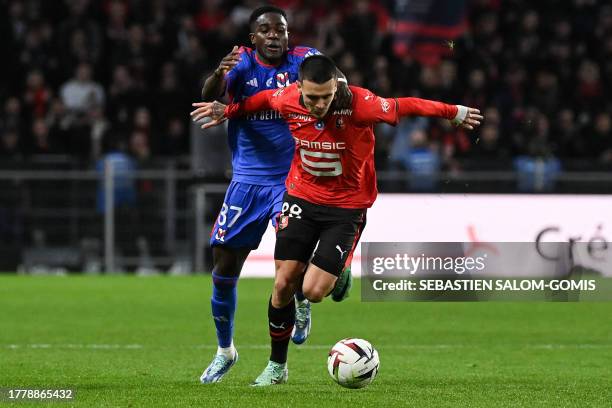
x=261 y=144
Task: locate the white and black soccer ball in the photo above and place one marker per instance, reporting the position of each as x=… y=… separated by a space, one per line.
x=353 y=363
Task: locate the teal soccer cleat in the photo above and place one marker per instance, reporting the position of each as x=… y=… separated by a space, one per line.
x=218 y=368
x=274 y=373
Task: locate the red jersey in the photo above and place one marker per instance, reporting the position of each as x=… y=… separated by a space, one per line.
x=333 y=163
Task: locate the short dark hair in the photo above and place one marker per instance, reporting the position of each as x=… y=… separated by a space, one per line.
x=318 y=69
x=263 y=10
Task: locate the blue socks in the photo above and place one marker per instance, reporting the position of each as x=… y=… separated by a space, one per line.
x=223 y=304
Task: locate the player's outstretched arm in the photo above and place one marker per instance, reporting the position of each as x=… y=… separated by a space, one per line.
x=459 y=115
x=214 y=85
x=219 y=112
x=372 y=109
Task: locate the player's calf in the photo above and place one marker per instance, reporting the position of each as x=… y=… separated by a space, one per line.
x=281 y=321
x=319 y=280
x=316 y=294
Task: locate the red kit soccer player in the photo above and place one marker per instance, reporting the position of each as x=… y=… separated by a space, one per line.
x=330 y=185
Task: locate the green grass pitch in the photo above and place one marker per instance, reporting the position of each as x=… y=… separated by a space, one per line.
x=143 y=342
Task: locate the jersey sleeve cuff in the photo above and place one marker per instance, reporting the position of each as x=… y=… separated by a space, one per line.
x=462 y=112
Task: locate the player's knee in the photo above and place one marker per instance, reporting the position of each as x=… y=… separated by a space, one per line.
x=287 y=276
x=284 y=288
x=228 y=262
x=315 y=294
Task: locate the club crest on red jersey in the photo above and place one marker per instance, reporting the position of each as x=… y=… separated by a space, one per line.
x=339 y=123
x=320 y=125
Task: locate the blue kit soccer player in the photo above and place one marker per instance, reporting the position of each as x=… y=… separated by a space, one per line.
x=262 y=148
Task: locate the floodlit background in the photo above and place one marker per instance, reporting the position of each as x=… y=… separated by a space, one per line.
x=83 y=79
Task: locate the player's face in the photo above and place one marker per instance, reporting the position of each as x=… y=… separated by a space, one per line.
x=270 y=37
x=318 y=97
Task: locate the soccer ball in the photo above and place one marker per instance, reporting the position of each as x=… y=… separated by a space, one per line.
x=353 y=363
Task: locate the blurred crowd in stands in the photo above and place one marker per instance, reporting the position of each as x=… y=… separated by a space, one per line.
x=80 y=76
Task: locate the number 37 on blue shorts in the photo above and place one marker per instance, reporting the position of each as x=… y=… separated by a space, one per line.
x=244 y=216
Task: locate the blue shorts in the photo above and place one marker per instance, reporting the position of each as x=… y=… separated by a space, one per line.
x=244 y=216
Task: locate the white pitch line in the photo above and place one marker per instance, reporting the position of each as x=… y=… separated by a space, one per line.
x=95 y=346
x=570 y=346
